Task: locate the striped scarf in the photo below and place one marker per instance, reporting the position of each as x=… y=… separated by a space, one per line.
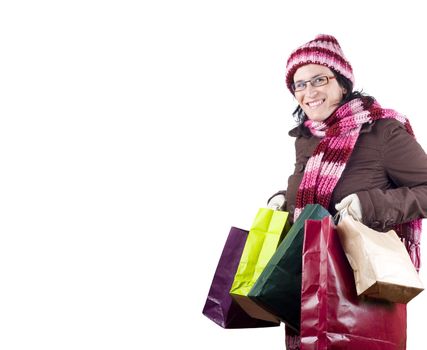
x=339 y=134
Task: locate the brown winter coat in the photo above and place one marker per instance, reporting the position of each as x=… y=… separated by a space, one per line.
x=387 y=170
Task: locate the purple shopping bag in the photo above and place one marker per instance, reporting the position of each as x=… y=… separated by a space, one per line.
x=219 y=306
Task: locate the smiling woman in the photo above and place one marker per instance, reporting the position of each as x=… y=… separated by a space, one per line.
x=321 y=97
x=350 y=152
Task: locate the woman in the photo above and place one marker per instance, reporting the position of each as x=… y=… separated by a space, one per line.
x=350 y=152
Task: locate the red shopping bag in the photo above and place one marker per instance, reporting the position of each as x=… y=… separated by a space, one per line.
x=332 y=315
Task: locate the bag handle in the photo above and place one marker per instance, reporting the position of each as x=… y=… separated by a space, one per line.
x=342 y=214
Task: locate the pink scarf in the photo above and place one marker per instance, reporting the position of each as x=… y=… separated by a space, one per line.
x=339 y=134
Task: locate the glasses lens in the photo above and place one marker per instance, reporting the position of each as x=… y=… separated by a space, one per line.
x=319 y=81
x=299 y=85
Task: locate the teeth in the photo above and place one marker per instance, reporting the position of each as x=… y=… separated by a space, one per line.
x=315 y=103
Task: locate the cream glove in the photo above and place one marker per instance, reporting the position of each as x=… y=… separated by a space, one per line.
x=352 y=203
x=277 y=202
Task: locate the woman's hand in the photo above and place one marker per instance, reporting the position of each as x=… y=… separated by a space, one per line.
x=352 y=203
x=277 y=202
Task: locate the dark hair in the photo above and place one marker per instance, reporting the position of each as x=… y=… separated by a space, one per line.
x=345 y=83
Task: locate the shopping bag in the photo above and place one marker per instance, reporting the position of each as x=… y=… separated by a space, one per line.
x=332 y=315
x=219 y=306
x=381 y=264
x=278 y=288
x=266 y=233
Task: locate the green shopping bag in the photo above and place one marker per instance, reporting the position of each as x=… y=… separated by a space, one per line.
x=278 y=288
x=266 y=233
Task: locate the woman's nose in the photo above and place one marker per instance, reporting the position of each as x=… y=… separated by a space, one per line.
x=310 y=90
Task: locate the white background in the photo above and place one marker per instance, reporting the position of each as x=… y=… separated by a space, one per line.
x=134 y=134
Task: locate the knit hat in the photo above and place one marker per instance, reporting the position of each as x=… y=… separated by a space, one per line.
x=324 y=50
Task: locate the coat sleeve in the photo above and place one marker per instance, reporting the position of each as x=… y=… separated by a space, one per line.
x=405 y=164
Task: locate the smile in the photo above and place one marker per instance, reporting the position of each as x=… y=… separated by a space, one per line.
x=315 y=104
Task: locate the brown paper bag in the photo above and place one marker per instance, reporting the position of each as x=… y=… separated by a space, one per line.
x=381 y=265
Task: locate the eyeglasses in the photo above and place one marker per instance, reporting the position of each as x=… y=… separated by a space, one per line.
x=315 y=82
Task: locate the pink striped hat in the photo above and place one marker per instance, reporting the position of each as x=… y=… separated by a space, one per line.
x=324 y=50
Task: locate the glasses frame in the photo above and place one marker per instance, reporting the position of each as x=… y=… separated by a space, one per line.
x=311 y=82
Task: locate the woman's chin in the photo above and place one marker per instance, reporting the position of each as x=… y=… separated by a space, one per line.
x=319 y=116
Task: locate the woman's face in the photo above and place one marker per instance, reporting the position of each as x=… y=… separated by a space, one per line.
x=320 y=102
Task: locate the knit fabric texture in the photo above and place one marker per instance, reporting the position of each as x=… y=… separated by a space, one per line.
x=324 y=50
x=339 y=134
